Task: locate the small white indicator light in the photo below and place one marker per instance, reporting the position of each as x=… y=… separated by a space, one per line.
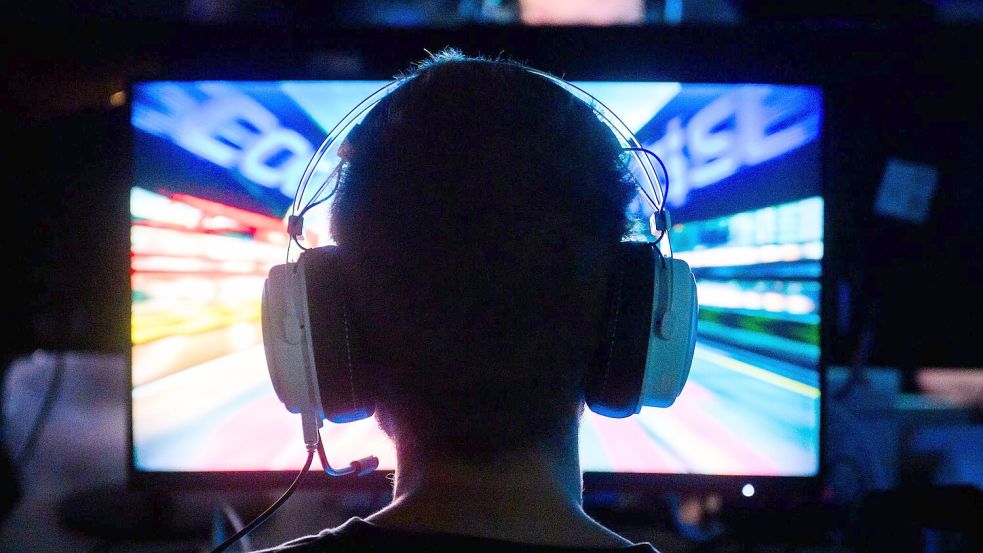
x=747 y=490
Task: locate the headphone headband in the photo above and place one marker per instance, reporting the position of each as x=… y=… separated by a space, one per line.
x=341 y=137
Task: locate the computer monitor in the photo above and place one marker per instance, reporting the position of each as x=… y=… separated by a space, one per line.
x=215 y=168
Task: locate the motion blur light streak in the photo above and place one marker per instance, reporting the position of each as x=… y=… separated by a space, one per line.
x=734 y=295
x=190 y=282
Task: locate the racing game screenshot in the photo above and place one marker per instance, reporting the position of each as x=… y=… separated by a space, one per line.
x=216 y=167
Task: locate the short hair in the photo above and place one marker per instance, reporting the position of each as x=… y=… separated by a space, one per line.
x=478 y=214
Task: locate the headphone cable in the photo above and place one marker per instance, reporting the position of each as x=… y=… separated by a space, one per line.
x=246 y=530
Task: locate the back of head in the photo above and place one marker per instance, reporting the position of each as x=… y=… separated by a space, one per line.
x=478 y=214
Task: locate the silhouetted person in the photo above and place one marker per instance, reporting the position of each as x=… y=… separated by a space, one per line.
x=478 y=216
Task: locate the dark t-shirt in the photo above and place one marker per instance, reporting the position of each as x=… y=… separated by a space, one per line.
x=357 y=535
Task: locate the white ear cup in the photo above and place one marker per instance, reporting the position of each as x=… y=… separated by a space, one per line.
x=672 y=339
x=287 y=341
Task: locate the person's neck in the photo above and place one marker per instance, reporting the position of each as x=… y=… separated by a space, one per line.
x=532 y=497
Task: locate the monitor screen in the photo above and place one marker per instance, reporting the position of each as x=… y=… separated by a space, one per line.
x=216 y=166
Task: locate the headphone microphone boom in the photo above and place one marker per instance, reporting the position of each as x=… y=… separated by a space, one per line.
x=312 y=350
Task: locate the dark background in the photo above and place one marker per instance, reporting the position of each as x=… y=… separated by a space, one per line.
x=900 y=79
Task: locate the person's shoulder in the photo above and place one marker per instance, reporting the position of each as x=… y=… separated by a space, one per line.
x=315 y=543
x=359 y=535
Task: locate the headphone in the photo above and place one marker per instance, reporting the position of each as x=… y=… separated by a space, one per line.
x=312 y=350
